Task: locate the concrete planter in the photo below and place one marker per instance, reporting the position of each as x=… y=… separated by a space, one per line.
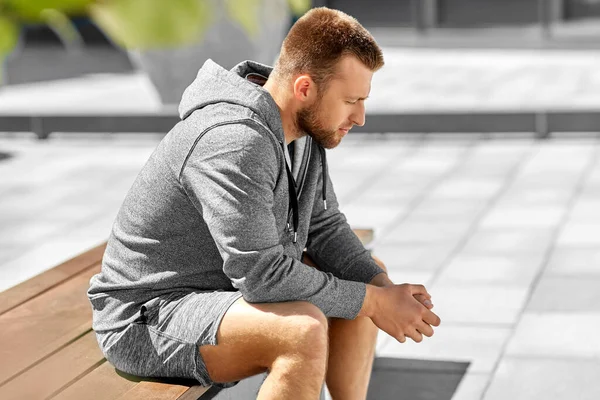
x=226 y=43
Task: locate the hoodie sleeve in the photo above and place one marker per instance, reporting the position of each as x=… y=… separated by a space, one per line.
x=230 y=177
x=332 y=243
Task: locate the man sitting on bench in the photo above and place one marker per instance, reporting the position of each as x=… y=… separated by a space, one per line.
x=205 y=274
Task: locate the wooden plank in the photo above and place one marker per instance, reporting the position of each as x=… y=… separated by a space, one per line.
x=159 y=391
x=365 y=235
x=194 y=393
x=103 y=383
x=44 y=324
x=19 y=294
x=56 y=371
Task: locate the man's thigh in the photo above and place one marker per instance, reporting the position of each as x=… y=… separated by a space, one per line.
x=163 y=341
x=251 y=337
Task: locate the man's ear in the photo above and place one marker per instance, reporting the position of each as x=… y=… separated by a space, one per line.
x=304 y=88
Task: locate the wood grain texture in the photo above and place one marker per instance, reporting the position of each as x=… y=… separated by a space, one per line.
x=56 y=371
x=45 y=324
x=103 y=383
x=45 y=281
x=162 y=391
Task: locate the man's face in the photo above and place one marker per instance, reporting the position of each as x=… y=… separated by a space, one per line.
x=329 y=118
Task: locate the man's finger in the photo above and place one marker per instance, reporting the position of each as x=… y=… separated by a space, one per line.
x=424 y=300
x=432 y=319
x=415 y=335
x=419 y=289
x=425 y=329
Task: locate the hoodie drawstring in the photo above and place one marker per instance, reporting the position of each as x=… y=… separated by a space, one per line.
x=324 y=174
x=294 y=196
x=293 y=200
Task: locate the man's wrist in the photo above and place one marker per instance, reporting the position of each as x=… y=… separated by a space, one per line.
x=381 y=280
x=369 y=306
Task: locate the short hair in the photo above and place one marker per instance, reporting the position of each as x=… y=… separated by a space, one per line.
x=318 y=40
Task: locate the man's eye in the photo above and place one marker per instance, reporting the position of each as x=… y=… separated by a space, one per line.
x=352 y=102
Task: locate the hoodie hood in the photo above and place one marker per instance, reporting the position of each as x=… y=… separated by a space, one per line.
x=242 y=86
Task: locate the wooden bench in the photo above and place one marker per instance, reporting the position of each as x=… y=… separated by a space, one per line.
x=48 y=348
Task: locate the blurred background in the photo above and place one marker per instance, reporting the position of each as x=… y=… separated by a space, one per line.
x=477 y=167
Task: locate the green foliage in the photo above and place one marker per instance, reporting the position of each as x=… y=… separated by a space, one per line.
x=61 y=24
x=245 y=13
x=30 y=11
x=133 y=24
x=299 y=7
x=9 y=35
x=145 y=24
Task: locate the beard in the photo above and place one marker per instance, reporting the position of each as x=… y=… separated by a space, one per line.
x=307 y=121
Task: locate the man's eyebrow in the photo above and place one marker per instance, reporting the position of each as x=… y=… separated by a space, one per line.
x=358 y=98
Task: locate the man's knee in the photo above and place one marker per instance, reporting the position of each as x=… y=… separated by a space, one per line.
x=303 y=335
x=309 y=325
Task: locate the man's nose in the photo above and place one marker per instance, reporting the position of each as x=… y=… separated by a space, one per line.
x=358 y=117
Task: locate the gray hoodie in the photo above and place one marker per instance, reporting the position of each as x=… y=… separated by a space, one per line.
x=213 y=209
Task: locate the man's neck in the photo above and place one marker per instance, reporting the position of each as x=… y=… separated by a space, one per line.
x=286 y=110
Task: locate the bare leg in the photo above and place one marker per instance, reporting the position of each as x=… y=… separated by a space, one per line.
x=287 y=339
x=351 y=354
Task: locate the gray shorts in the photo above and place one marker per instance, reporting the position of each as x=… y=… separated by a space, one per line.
x=164 y=341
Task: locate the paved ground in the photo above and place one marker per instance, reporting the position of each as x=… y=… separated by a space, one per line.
x=503 y=232
x=413 y=80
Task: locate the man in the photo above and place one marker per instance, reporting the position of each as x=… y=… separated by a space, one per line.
x=205 y=274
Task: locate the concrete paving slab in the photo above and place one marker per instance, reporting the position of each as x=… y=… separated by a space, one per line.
x=479 y=304
x=419 y=257
x=461 y=188
x=509 y=241
x=524 y=196
x=532 y=217
x=574 y=261
x=427 y=163
x=531 y=178
x=379 y=218
x=472 y=386
x=579 y=233
x=480 y=346
x=496 y=79
x=557 y=335
x=381 y=197
x=562 y=294
x=478 y=170
x=539 y=378
x=507 y=269
x=412 y=276
x=427 y=232
x=402 y=183
x=448 y=210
